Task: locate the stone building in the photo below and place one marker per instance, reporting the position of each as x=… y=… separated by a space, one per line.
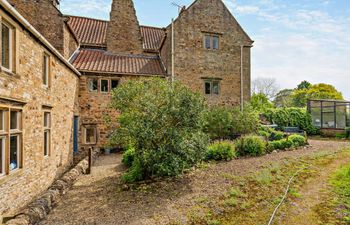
x=38 y=100
x=51 y=108
x=211 y=56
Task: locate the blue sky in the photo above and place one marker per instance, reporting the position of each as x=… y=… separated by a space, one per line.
x=294 y=40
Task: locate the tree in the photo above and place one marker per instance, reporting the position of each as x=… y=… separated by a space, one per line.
x=266 y=86
x=260 y=102
x=163 y=123
x=304 y=85
x=317 y=91
x=283 y=98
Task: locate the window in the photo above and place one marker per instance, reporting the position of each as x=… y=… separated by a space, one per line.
x=93 y=85
x=6 y=46
x=104 y=86
x=47 y=133
x=10 y=140
x=114 y=84
x=211 y=42
x=2 y=155
x=46 y=70
x=90 y=135
x=212 y=87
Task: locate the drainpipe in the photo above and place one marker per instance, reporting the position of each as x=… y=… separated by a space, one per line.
x=242 y=82
x=172 y=52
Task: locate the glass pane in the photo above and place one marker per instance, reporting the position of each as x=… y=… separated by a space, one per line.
x=341 y=116
x=328 y=106
x=47 y=120
x=316 y=116
x=93 y=85
x=14 y=120
x=207 y=88
x=1 y=120
x=207 y=42
x=328 y=120
x=104 y=85
x=215 y=87
x=6 y=42
x=90 y=135
x=46 y=142
x=348 y=115
x=14 y=152
x=115 y=84
x=2 y=155
x=215 y=42
x=46 y=70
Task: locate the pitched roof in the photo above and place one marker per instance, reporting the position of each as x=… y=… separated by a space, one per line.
x=101 y=61
x=92 y=32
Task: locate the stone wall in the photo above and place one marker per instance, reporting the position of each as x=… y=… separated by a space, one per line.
x=25 y=87
x=123 y=34
x=94 y=107
x=49 y=21
x=193 y=62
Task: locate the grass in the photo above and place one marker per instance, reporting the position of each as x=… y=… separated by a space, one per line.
x=340 y=182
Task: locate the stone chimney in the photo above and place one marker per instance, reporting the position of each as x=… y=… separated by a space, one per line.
x=123 y=34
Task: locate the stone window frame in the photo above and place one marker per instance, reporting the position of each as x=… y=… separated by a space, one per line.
x=211 y=37
x=47 y=126
x=6 y=21
x=85 y=128
x=46 y=72
x=6 y=134
x=211 y=82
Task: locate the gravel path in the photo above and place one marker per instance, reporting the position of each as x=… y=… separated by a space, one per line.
x=98 y=198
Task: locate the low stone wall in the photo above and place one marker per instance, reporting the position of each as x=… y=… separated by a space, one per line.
x=41 y=207
x=332 y=132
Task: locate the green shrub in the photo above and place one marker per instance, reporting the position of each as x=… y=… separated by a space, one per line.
x=340 y=136
x=128 y=156
x=134 y=173
x=223 y=150
x=245 y=122
x=163 y=122
x=280 y=144
x=292 y=117
x=276 y=135
x=297 y=140
x=347 y=132
x=250 y=146
x=218 y=122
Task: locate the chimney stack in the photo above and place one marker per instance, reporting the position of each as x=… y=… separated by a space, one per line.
x=123 y=34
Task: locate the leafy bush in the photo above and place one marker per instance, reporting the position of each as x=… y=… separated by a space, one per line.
x=218 y=122
x=297 y=140
x=260 y=102
x=276 y=135
x=291 y=117
x=245 y=122
x=250 y=146
x=340 y=136
x=270 y=134
x=129 y=156
x=164 y=124
x=223 y=150
x=347 y=132
x=280 y=144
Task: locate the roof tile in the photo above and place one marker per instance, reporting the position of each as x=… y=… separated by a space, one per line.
x=93 y=60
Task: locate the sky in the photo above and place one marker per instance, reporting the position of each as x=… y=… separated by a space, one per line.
x=295 y=40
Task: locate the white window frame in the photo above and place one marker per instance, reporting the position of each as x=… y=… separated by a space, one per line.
x=89 y=82
x=11 y=47
x=47 y=130
x=46 y=70
x=211 y=82
x=108 y=85
x=85 y=135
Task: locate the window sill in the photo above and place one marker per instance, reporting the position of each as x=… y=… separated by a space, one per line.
x=8 y=72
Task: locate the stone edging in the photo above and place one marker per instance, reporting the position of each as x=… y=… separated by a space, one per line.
x=42 y=206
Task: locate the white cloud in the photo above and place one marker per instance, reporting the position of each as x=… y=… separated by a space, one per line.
x=97 y=8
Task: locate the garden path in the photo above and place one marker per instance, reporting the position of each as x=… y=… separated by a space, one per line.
x=99 y=199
